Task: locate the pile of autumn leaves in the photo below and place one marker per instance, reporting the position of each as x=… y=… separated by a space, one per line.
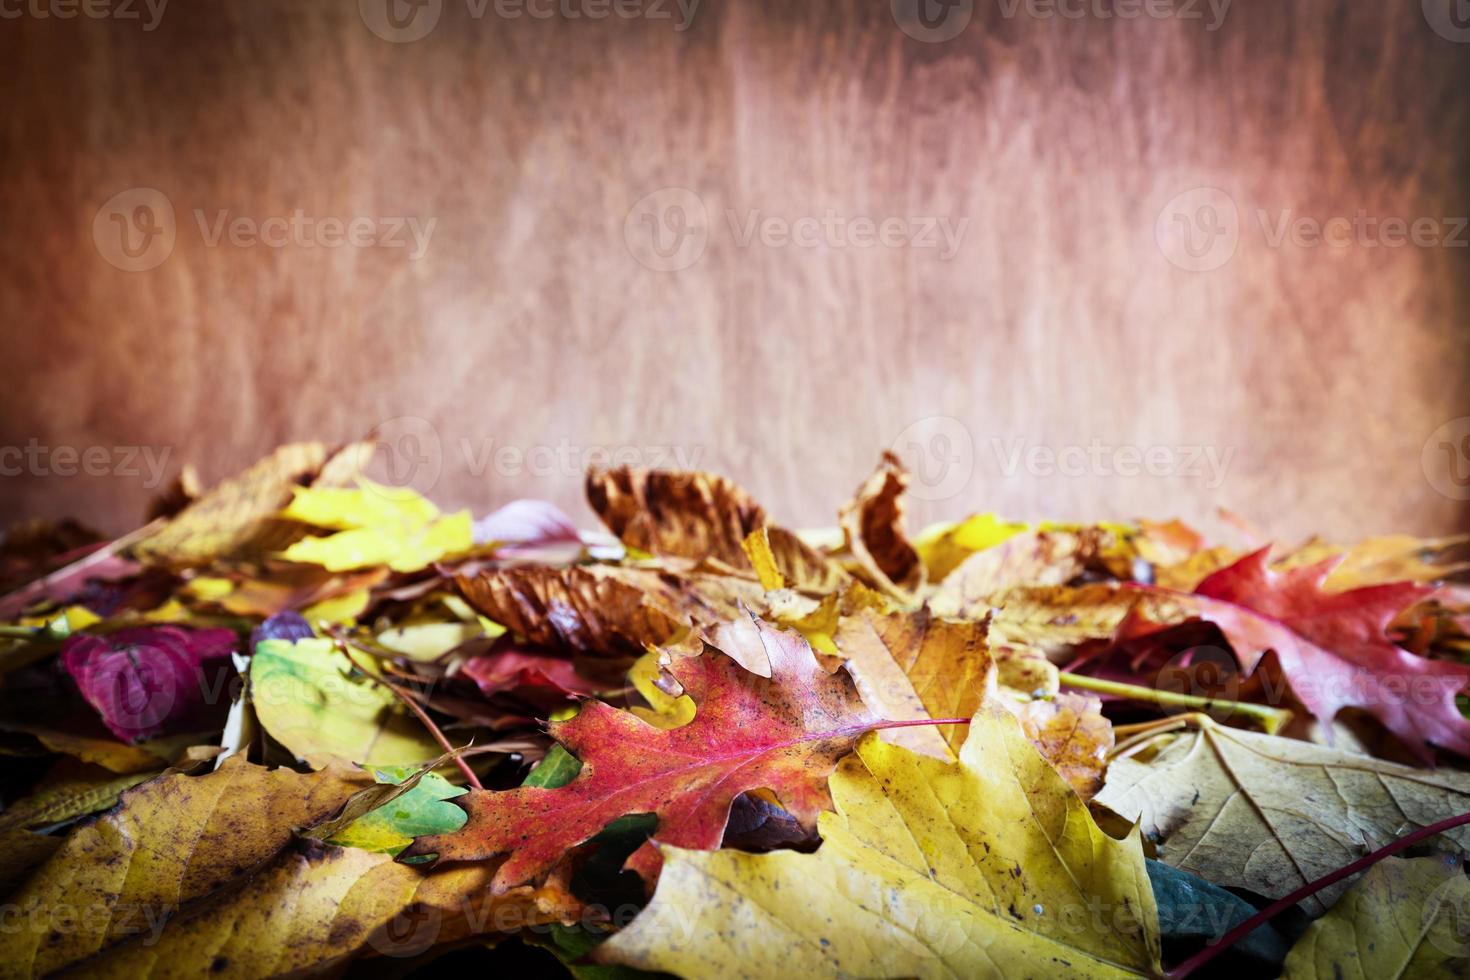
x=302 y=722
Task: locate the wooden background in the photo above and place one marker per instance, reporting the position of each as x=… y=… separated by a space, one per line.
x=530 y=322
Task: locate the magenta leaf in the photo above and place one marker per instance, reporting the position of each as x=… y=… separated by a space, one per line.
x=153 y=680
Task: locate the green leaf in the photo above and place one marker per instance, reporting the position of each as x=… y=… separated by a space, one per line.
x=557 y=769
x=393 y=826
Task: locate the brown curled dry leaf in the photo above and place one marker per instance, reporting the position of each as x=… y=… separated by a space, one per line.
x=703 y=518
x=873 y=530
x=604 y=610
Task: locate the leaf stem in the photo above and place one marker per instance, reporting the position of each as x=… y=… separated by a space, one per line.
x=915 y=722
x=1271 y=720
x=402 y=695
x=1311 y=888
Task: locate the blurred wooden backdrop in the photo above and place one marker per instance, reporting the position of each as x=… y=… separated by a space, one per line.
x=540 y=328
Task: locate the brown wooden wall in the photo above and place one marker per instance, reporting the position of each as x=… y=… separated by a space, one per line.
x=1069 y=314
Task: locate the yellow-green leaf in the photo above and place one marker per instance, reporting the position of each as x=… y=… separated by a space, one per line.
x=310 y=699
x=422 y=810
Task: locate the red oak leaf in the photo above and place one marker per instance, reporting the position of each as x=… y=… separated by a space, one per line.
x=153 y=680
x=784 y=733
x=1333 y=647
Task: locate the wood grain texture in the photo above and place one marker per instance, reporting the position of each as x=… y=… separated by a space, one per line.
x=529 y=322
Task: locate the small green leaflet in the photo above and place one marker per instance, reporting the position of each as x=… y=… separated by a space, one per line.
x=422 y=810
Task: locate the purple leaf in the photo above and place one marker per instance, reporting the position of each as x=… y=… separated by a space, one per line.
x=289 y=626
x=526 y=522
x=153 y=680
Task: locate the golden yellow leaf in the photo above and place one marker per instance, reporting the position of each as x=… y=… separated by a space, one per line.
x=1270 y=814
x=172 y=840
x=991 y=867
x=1393 y=558
x=757 y=546
x=376 y=525
x=665 y=710
x=1055 y=618
x=115 y=756
x=1404 y=918
x=943 y=547
x=1072 y=733
x=910 y=665
x=318 y=906
x=239 y=515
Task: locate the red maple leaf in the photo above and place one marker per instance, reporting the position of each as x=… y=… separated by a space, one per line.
x=784 y=733
x=1333 y=647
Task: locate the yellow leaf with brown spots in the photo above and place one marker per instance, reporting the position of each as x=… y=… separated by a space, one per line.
x=316 y=907
x=989 y=867
x=171 y=841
